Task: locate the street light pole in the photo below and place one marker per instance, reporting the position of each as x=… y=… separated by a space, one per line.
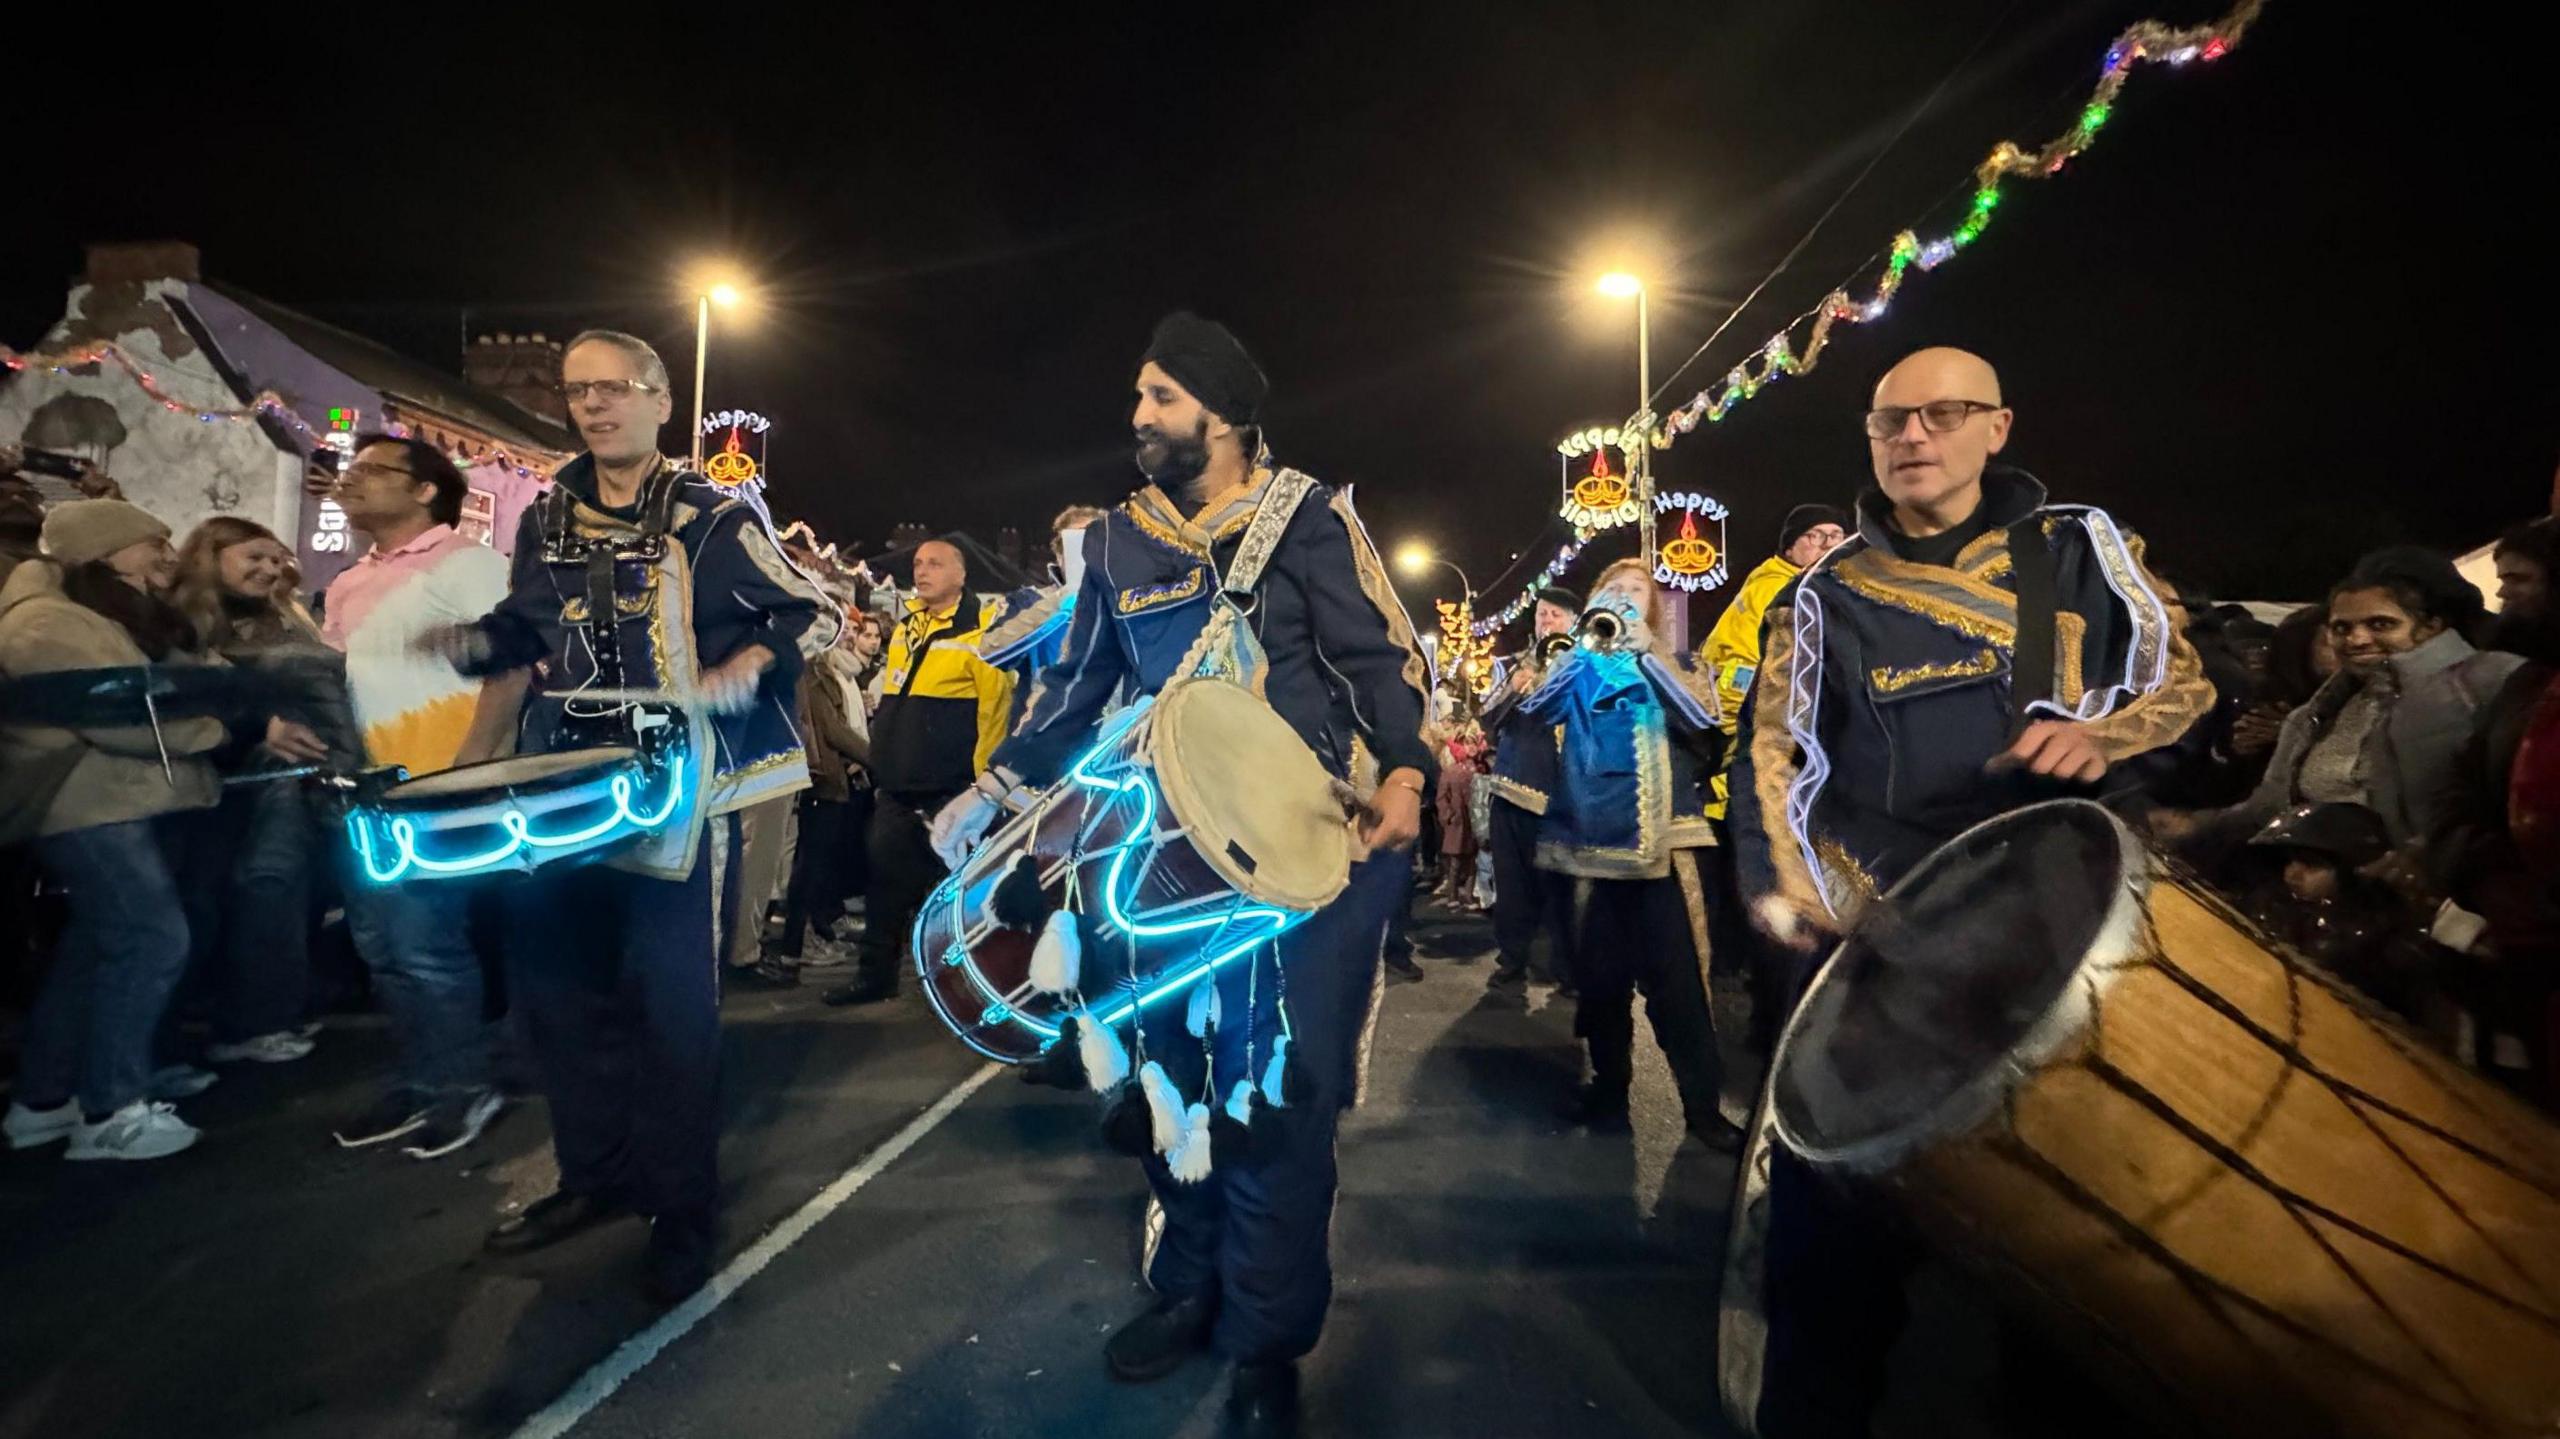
x=1644 y=422
x=701 y=362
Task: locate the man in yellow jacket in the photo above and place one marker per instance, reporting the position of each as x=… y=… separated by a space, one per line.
x=1731 y=655
x=942 y=713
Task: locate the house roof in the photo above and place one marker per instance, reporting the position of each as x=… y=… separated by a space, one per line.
x=398 y=377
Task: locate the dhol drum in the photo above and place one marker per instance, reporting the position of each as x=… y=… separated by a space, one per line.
x=1197 y=829
x=2222 y=1177
x=516 y=814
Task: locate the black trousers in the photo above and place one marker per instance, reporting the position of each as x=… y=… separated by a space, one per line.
x=1641 y=934
x=1527 y=900
x=617 y=977
x=1259 y=1231
x=824 y=868
x=904 y=870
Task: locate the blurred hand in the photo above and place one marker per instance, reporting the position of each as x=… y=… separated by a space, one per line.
x=2403 y=870
x=960 y=825
x=96 y=484
x=1799 y=928
x=11 y=456
x=1394 y=817
x=460 y=646
x=294 y=741
x=730 y=686
x=319 y=481
x=2255 y=731
x=2055 y=749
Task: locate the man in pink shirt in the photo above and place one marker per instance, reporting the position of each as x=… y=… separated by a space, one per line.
x=415 y=711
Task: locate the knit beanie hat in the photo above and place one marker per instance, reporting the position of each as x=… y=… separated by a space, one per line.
x=84 y=530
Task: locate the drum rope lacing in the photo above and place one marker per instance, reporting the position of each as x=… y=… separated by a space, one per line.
x=2302 y=1209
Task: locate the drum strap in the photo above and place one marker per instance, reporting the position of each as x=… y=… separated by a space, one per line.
x=1262 y=537
x=2031 y=665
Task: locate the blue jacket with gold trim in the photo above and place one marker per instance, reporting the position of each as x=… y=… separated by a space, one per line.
x=1524 y=747
x=1640 y=742
x=1343 y=665
x=712 y=584
x=1884 y=691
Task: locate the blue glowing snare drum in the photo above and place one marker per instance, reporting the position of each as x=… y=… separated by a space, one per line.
x=1197 y=829
x=516 y=814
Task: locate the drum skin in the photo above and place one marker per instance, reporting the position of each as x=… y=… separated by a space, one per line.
x=2229 y=1179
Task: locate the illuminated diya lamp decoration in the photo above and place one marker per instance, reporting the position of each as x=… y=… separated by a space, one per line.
x=1601 y=499
x=1691 y=559
x=732 y=466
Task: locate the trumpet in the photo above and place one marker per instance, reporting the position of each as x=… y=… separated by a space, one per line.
x=1603 y=626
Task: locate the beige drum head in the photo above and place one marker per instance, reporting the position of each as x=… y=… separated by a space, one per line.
x=1257 y=802
x=509 y=773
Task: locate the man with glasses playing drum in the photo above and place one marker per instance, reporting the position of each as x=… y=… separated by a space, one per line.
x=633 y=577
x=1242 y=1266
x=1969 y=650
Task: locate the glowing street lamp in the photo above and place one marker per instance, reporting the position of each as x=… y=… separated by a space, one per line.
x=1416 y=559
x=726 y=295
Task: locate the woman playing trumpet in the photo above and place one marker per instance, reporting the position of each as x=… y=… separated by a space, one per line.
x=1626 y=821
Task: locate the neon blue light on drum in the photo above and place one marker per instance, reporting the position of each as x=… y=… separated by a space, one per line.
x=402 y=832
x=1271 y=922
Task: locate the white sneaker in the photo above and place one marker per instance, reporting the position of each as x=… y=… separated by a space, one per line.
x=28 y=1128
x=182 y=1081
x=282 y=1047
x=140 y=1130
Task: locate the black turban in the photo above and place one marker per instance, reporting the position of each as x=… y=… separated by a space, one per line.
x=1205 y=359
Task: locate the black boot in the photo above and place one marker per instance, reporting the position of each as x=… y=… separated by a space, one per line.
x=1262 y=1401
x=870 y=989
x=1157 y=1342
x=1597 y=1108
x=680 y=1252
x=550 y=1219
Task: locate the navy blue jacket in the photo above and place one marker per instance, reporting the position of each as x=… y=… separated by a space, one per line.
x=1343 y=666
x=1524 y=748
x=1640 y=743
x=1884 y=690
x=718 y=586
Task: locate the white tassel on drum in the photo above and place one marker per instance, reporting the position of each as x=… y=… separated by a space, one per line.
x=1204 y=1010
x=1240 y=1102
x=1106 y=1063
x=1189 y=1161
x=1058 y=959
x=1273 y=1091
x=1164 y=1106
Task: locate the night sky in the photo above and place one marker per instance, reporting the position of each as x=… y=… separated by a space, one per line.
x=2288 y=307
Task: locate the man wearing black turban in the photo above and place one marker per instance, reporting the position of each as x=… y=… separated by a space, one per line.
x=1243 y=1265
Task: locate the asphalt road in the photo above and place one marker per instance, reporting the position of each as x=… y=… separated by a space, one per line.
x=1498 y=1273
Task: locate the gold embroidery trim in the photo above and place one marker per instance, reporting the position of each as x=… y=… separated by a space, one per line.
x=1147 y=597
x=1381 y=592
x=1693 y=898
x=2070 y=635
x=1844 y=866
x=1901 y=586
x=1890 y=680
x=1773 y=763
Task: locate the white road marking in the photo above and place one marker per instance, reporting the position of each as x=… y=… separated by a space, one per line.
x=614 y=1370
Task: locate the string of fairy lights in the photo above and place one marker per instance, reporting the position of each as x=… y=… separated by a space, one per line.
x=2149 y=42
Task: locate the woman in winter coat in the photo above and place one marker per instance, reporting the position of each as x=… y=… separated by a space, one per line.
x=94 y=800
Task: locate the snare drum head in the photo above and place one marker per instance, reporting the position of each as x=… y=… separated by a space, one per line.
x=513 y=772
x=1256 y=801
x=1956 y=983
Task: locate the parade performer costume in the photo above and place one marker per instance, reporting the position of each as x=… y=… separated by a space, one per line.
x=615 y=965
x=1628 y=820
x=1243 y=1263
x=1895 y=707
x=1526 y=898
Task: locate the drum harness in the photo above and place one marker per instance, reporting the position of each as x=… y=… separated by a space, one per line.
x=1185 y=1134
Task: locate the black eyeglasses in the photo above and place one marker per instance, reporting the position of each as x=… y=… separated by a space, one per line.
x=576 y=390
x=1938 y=417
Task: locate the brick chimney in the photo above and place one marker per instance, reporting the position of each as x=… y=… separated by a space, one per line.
x=523 y=368
x=130 y=262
